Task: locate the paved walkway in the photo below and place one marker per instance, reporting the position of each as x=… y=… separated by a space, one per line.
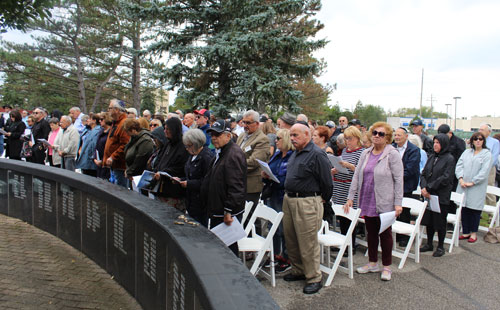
x=39 y=271
x=468 y=278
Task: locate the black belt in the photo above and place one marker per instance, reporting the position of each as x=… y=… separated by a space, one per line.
x=303 y=194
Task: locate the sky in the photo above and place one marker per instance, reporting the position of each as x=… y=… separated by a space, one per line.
x=377 y=50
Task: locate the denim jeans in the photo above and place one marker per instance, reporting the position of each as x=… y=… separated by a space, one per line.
x=120 y=178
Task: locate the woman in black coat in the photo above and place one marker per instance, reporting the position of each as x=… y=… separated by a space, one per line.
x=437 y=179
x=14 y=132
x=172 y=158
x=196 y=168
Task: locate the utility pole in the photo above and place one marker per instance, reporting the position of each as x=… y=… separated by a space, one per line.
x=456 y=98
x=447 y=114
x=432 y=101
x=421 y=91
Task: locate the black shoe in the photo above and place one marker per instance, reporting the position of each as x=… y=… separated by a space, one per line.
x=403 y=243
x=426 y=248
x=283 y=267
x=312 y=288
x=438 y=253
x=294 y=277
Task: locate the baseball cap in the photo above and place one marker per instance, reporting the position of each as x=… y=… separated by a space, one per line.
x=417 y=122
x=330 y=124
x=203 y=112
x=220 y=126
x=444 y=128
x=354 y=121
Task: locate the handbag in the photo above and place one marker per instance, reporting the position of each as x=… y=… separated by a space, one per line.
x=26 y=151
x=493 y=235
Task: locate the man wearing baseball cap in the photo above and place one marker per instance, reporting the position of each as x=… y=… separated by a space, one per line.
x=202 y=117
x=224 y=186
x=417 y=127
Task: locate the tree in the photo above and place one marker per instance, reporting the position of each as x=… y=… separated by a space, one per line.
x=412 y=112
x=235 y=54
x=315 y=97
x=16 y=14
x=334 y=112
x=369 y=114
x=148 y=101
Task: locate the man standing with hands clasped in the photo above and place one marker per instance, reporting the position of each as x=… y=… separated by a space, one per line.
x=308 y=184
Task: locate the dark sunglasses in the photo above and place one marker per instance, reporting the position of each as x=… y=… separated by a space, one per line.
x=477 y=138
x=278 y=138
x=380 y=134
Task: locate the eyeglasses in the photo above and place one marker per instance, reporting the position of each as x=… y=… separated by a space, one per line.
x=477 y=138
x=278 y=138
x=248 y=122
x=154 y=125
x=379 y=133
x=37 y=112
x=188 y=146
x=350 y=138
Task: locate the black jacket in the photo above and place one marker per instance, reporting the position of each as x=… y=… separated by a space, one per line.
x=172 y=158
x=224 y=186
x=14 y=142
x=195 y=173
x=40 y=130
x=457 y=147
x=439 y=172
x=411 y=164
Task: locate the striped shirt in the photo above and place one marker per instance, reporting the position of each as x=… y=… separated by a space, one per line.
x=342 y=181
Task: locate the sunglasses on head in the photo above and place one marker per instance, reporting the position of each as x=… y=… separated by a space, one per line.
x=477 y=138
x=379 y=133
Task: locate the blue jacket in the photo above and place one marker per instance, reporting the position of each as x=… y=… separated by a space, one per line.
x=411 y=165
x=278 y=166
x=85 y=160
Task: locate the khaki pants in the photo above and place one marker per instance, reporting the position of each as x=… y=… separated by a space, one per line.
x=490 y=198
x=301 y=222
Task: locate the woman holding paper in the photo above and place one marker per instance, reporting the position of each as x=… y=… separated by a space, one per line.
x=273 y=192
x=472 y=171
x=342 y=181
x=14 y=132
x=378 y=181
x=437 y=179
x=55 y=136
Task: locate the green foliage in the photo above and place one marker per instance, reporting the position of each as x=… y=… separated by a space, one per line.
x=414 y=112
x=232 y=54
x=181 y=104
x=369 y=114
x=16 y=14
x=334 y=112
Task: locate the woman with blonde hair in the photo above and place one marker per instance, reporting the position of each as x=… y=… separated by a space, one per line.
x=273 y=192
x=378 y=181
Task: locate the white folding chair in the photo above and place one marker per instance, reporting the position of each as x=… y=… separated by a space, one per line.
x=248 y=207
x=455 y=219
x=329 y=239
x=418 y=191
x=493 y=210
x=417 y=209
x=256 y=243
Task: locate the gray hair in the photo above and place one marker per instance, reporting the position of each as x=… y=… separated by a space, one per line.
x=77 y=109
x=115 y=103
x=85 y=118
x=147 y=112
x=488 y=126
x=340 y=139
x=196 y=137
x=415 y=140
x=172 y=114
x=67 y=119
x=255 y=115
x=54 y=120
x=302 y=117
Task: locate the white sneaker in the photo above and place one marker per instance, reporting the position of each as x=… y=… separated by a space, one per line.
x=386 y=274
x=368 y=268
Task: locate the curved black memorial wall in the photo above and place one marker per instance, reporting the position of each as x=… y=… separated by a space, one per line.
x=134 y=238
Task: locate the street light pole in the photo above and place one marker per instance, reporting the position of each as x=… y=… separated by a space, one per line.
x=447 y=115
x=456 y=98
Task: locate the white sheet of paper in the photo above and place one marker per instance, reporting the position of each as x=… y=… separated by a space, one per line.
x=335 y=160
x=135 y=181
x=229 y=234
x=165 y=174
x=386 y=220
x=267 y=170
x=33 y=139
x=44 y=141
x=97 y=155
x=434 y=204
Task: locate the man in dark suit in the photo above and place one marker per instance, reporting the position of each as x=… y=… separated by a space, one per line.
x=410 y=155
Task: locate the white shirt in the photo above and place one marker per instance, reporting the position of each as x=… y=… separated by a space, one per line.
x=402 y=149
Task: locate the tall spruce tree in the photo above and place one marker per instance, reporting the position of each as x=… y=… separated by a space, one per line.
x=233 y=54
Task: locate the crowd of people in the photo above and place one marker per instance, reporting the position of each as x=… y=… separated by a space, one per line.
x=209 y=167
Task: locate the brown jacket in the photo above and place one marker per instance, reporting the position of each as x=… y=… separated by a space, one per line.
x=115 y=145
x=256 y=147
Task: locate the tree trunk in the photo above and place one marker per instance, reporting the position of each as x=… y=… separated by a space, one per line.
x=136 y=68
